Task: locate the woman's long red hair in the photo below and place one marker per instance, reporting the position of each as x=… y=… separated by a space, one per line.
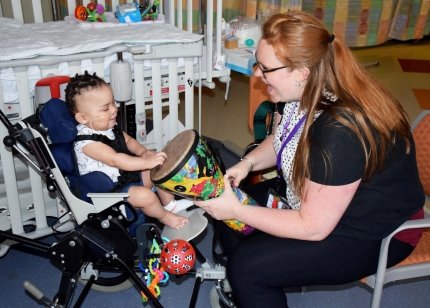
x=372 y=112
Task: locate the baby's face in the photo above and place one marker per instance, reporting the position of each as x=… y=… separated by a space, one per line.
x=97 y=109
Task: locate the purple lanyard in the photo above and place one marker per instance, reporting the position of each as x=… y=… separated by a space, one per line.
x=289 y=137
x=285 y=130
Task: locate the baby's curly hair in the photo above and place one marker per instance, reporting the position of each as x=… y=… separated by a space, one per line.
x=79 y=83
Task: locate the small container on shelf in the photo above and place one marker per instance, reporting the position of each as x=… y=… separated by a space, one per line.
x=231 y=42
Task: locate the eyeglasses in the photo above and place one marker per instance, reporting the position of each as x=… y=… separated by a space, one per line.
x=269 y=70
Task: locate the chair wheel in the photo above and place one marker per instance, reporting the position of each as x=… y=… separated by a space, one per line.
x=214 y=299
x=114 y=283
x=223 y=301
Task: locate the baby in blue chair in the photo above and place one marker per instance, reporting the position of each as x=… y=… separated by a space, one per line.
x=101 y=146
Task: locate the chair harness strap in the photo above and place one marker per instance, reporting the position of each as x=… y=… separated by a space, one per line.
x=120 y=146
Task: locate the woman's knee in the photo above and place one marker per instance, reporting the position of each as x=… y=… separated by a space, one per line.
x=251 y=283
x=240 y=268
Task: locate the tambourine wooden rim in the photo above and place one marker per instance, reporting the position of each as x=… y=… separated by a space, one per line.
x=180 y=163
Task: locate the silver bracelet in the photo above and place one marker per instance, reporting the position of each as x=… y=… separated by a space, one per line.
x=250 y=162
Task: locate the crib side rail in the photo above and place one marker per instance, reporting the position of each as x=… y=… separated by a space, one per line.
x=206 y=24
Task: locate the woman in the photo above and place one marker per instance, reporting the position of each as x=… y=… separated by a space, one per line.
x=344 y=148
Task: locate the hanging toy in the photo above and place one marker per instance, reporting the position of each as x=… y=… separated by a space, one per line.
x=92 y=12
x=150 y=11
x=178 y=257
x=96 y=12
x=154 y=274
x=81 y=12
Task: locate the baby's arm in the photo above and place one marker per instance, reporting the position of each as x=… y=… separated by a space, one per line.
x=104 y=153
x=135 y=147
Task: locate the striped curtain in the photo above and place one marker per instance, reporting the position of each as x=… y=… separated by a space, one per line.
x=372 y=22
x=358 y=22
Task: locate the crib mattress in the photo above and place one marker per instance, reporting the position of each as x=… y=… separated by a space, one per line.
x=62 y=38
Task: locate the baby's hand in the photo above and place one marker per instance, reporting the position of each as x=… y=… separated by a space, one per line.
x=156 y=159
x=148 y=154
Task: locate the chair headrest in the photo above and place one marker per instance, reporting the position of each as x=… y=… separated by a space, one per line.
x=61 y=125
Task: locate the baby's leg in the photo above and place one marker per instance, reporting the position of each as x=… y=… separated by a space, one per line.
x=145 y=199
x=164 y=196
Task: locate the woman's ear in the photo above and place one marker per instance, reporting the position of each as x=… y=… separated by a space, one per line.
x=302 y=74
x=81 y=118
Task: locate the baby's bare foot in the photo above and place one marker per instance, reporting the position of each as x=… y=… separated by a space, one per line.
x=174 y=221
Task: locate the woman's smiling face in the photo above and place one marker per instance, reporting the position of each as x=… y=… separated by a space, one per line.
x=281 y=81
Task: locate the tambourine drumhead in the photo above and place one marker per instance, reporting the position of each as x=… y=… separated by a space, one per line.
x=178 y=151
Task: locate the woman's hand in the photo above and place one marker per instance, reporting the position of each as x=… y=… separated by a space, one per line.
x=238 y=172
x=262 y=157
x=223 y=207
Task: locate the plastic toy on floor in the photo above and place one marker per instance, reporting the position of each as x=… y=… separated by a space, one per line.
x=178 y=257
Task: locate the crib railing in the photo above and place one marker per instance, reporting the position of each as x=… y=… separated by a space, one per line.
x=23 y=198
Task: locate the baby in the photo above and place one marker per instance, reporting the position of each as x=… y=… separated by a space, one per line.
x=127 y=162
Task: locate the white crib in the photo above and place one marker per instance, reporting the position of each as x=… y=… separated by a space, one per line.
x=173 y=10
x=174 y=67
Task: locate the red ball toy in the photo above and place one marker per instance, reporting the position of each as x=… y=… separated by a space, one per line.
x=177 y=257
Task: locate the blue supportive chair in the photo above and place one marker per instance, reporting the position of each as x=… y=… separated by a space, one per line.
x=95 y=187
x=99 y=243
x=61 y=130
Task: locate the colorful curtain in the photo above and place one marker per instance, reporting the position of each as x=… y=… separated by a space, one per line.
x=372 y=22
x=358 y=22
